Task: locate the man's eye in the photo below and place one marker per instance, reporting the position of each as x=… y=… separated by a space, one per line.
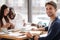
x=50 y=8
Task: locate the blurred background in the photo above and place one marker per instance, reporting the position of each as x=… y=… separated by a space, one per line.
x=32 y=11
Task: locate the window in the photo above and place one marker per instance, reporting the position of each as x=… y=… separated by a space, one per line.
x=20 y=7
x=2 y=2
x=38 y=12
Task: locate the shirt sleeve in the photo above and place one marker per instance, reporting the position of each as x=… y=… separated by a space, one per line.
x=46 y=28
x=52 y=33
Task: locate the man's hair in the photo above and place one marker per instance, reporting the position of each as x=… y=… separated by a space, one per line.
x=51 y=3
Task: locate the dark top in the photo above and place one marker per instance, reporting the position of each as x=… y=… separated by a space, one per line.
x=54 y=31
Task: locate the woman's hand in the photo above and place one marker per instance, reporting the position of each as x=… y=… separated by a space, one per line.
x=12 y=26
x=6 y=25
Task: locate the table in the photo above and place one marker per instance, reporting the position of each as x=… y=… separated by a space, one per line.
x=19 y=37
x=14 y=37
x=11 y=37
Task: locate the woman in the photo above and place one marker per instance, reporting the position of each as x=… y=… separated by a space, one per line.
x=4 y=18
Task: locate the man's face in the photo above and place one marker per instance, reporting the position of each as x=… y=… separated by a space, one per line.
x=50 y=10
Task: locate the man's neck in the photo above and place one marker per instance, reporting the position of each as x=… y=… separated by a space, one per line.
x=53 y=18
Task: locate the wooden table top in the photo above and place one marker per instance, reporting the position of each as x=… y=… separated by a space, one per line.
x=18 y=37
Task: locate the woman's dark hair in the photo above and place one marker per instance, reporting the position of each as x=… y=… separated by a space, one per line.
x=11 y=13
x=3 y=7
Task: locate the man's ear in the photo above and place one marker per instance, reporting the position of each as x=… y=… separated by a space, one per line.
x=55 y=9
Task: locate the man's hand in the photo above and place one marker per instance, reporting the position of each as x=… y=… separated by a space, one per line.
x=29 y=35
x=36 y=37
x=33 y=29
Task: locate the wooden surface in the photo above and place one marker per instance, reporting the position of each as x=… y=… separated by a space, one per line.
x=10 y=37
x=15 y=38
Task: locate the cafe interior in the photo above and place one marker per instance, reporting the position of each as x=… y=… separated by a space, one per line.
x=21 y=19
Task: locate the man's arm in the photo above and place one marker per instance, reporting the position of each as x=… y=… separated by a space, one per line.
x=53 y=32
x=41 y=29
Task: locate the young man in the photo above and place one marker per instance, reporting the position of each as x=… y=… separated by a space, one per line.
x=54 y=25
